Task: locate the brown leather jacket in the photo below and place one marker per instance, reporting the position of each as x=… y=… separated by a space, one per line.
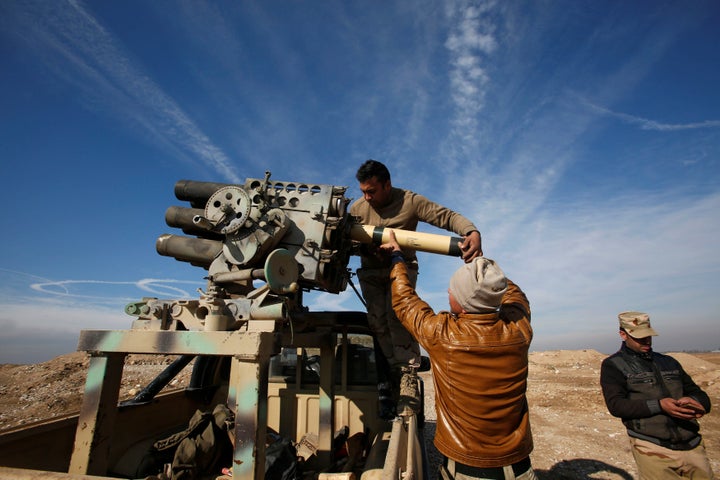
x=480 y=366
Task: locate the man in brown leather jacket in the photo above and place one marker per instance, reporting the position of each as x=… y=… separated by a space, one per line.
x=479 y=357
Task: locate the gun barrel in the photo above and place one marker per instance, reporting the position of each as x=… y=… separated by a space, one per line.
x=184 y=218
x=197 y=251
x=197 y=193
x=423 y=242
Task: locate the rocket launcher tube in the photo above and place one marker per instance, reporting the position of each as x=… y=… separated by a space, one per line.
x=193 y=250
x=423 y=242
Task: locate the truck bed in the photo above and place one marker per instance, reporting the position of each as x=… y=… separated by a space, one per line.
x=297 y=409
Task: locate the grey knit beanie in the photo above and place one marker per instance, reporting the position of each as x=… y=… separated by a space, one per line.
x=479 y=286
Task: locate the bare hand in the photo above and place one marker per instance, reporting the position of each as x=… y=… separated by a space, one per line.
x=391 y=245
x=471 y=247
x=685 y=408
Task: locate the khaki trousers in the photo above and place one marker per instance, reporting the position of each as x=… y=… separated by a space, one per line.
x=659 y=463
x=399 y=347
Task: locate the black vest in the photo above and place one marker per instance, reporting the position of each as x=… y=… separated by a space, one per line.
x=656 y=378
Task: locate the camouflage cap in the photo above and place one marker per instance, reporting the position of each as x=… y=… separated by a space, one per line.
x=636 y=324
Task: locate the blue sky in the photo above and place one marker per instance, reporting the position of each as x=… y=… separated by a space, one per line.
x=582 y=138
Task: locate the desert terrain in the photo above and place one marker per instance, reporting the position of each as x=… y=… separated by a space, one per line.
x=575 y=437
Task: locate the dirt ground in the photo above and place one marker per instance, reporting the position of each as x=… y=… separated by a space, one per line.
x=575 y=437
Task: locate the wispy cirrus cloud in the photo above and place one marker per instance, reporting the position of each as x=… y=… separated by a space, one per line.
x=41 y=318
x=79 y=49
x=25 y=288
x=648 y=124
x=155 y=286
x=469 y=41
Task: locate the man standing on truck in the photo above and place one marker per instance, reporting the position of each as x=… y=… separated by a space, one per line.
x=383 y=205
x=658 y=403
x=479 y=356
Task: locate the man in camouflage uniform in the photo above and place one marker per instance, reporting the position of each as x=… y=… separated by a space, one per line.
x=658 y=403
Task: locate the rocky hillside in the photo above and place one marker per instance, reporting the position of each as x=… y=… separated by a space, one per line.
x=575 y=437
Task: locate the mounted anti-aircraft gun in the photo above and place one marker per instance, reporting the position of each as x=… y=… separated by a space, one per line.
x=263 y=245
x=294 y=236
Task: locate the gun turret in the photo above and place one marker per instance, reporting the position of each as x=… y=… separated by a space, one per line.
x=238 y=226
x=295 y=236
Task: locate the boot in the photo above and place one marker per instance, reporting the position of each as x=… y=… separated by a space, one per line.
x=409 y=399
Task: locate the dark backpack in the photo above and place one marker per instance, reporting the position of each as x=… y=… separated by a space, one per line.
x=281 y=460
x=198 y=452
x=202 y=450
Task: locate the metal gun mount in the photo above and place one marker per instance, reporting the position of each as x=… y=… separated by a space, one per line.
x=294 y=236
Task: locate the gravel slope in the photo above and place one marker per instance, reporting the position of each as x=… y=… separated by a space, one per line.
x=574 y=436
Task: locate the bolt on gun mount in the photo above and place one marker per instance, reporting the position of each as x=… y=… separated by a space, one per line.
x=295 y=236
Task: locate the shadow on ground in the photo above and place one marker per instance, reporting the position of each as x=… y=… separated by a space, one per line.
x=582 y=469
x=575 y=469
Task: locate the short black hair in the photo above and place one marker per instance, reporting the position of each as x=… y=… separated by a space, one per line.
x=372 y=168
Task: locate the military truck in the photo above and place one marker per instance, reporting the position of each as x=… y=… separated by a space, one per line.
x=286 y=375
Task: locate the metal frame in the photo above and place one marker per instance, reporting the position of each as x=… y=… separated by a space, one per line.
x=250 y=352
